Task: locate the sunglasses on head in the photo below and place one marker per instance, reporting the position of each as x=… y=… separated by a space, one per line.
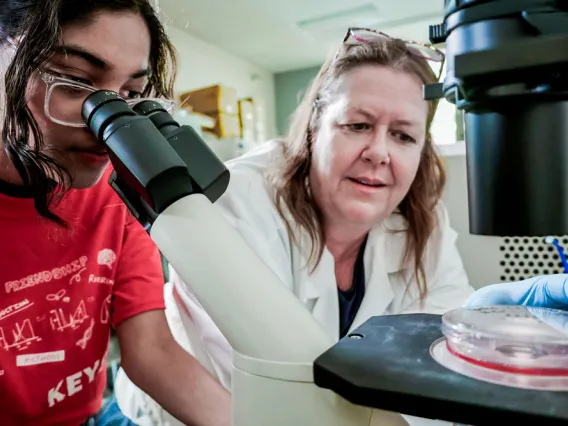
x=357 y=35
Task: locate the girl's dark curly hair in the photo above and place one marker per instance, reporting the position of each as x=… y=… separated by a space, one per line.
x=38 y=25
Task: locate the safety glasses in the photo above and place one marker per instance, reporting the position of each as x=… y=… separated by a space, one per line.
x=64 y=100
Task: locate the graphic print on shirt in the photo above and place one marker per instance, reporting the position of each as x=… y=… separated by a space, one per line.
x=63 y=315
x=72 y=269
x=62 y=319
x=106 y=257
x=15 y=308
x=77 y=277
x=40 y=358
x=73 y=383
x=100 y=280
x=20 y=335
x=83 y=341
x=56 y=297
x=105 y=310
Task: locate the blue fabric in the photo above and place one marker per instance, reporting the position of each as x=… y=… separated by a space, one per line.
x=350 y=300
x=110 y=415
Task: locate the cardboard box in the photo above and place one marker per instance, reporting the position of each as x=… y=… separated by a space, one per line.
x=211 y=100
x=226 y=126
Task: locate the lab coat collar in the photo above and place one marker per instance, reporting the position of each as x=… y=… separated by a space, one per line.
x=308 y=289
x=318 y=290
x=325 y=304
x=383 y=257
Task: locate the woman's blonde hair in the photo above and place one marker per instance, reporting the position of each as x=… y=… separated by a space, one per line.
x=292 y=194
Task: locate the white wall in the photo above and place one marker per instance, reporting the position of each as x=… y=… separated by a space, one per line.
x=480 y=254
x=488 y=260
x=202 y=64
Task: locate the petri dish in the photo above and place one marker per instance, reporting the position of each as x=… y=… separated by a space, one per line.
x=513 y=339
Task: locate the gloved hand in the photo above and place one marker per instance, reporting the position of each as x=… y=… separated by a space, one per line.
x=546 y=291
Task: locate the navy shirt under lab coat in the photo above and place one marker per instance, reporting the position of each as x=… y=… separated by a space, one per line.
x=350 y=300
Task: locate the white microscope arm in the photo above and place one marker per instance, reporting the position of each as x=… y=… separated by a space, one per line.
x=253 y=310
x=275 y=339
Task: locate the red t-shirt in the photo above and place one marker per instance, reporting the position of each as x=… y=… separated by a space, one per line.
x=62 y=290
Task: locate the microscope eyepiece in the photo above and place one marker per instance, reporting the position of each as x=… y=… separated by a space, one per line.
x=155 y=159
x=102 y=108
x=144 y=162
x=209 y=174
x=158 y=115
x=148 y=107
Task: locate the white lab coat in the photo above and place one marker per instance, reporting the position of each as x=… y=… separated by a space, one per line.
x=248 y=206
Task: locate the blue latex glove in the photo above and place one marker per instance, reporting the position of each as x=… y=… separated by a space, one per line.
x=546 y=291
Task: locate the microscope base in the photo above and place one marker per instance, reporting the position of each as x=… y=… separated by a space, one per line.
x=386 y=364
x=283 y=394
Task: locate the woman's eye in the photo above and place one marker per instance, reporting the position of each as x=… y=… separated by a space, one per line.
x=131 y=94
x=358 y=127
x=70 y=77
x=77 y=79
x=403 y=137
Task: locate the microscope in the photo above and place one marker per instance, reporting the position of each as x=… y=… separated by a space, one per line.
x=507 y=68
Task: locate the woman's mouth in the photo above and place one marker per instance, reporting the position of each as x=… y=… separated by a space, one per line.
x=92 y=158
x=371 y=183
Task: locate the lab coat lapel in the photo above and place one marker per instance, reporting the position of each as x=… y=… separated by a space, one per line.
x=326 y=308
x=317 y=290
x=383 y=256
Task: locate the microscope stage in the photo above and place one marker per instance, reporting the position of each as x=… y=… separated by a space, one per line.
x=387 y=364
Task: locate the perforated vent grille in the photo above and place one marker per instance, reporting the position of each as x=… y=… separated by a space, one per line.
x=525 y=257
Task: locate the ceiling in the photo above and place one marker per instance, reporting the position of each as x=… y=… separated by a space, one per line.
x=266 y=32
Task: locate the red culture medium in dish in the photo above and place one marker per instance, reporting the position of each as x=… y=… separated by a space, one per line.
x=512 y=339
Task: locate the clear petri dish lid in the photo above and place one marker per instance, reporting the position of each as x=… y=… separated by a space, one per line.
x=511 y=338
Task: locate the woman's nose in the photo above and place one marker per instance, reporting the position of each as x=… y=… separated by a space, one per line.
x=377 y=149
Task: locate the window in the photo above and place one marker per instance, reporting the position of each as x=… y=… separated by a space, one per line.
x=446 y=128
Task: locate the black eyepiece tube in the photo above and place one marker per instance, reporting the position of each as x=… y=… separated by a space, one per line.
x=101 y=109
x=157 y=115
x=208 y=173
x=143 y=159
